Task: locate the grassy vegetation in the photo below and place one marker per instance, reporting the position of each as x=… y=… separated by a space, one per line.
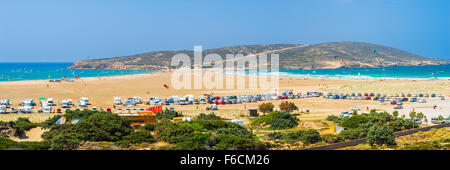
x=434 y=139
x=8 y=144
x=276 y=120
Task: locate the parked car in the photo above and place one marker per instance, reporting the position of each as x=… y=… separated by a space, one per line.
x=355 y=108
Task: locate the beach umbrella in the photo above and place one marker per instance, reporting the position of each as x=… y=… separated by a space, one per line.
x=375 y=50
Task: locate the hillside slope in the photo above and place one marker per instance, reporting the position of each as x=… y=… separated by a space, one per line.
x=292 y=56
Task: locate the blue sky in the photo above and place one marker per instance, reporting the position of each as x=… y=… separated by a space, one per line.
x=70 y=30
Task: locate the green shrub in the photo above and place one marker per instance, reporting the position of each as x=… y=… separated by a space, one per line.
x=335 y=119
x=330 y=138
x=275 y=135
x=236 y=131
x=395 y=113
x=198 y=141
x=231 y=142
x=8 y=144
x=136 y=138
x=379 y=135
x=103 y=127
x=64 y=142
x=168 y=114
x=277 y=120
x=150 y=126
x=306 y=136
x=210 y=116
x=56 y=130
x=352 y=134
x=49 y=122
x=284 y=121
x=354 y=121
x=173 y=132
x=25 y=123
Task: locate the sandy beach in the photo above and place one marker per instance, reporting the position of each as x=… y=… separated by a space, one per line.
x=102 y=90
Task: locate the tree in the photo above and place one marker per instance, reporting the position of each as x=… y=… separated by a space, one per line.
x=395 y=113
x=412 y=114
x=440 y=117
x=380 y=135
x=420 y=115
x=265 y=107
x=288 y=106
x=355 y=112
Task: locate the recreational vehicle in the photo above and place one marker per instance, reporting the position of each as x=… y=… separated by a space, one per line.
x=2 y=109
x=117 y=101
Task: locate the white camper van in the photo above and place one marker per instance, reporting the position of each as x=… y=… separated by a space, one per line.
x=117 y=101
x=2 y=109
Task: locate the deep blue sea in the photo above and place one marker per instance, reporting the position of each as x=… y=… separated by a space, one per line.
x=38 y=71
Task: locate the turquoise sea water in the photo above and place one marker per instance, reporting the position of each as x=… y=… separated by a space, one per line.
x=38 y=71
x=400 y=72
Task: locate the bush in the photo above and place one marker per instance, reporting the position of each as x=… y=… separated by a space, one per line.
x=150 y=126
x=330 y=138
x=56 y=130
x=354 y=121
x=306 y=136
x=277 y=120
x=275 y=135
x=211 y=124
x=8 y=144
x=231 y=142
x=379 y=135
x=395 y=113
x=288 y=106
x=283 y=121
x=352 y=134
x=168 y=114
x=236 y=131
x=136 y=137
x=198 y=141
x=103 y=127
x=335 y=119
x=49 y=122
x=210 y=116
x=173 y=132
x=265 y=107
x=64 y=142
x=25 y=123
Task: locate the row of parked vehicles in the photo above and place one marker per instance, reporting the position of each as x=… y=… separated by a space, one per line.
x=373 y=95
x=210 y=99
x=394 y=99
